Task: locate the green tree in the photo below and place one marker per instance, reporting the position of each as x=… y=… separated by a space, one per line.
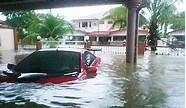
x=162 y=12
x=25 y=21
x=30 y=39
x=178 y=22
x=118 y=16
x=54 y=27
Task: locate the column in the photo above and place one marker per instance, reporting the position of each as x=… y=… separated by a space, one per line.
x=97 y=39
x=112 y=39
x=132 y=6
x=136 y=36
x=16 y=43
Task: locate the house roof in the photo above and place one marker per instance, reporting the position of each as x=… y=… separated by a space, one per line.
x=95 y=16
x=99 y=33
x=2 y=22
x=3 y=25
x=77 y=33
x=177 y=33
x=122 y=32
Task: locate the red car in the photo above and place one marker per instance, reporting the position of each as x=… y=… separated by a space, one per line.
x=52 y=66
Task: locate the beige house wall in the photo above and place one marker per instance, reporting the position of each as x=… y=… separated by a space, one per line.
x=6 y=39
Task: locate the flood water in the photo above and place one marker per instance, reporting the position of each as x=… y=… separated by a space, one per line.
x=158 y=81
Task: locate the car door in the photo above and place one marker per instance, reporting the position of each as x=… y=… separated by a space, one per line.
x=88 y=58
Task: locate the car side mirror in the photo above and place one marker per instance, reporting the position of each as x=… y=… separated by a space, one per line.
x=10 y=66
x=91 y=69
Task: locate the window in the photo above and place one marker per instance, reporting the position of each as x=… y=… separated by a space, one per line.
x=90 y=24
x=109 y=22
x=79 y=25
x=88 y=58
x=50 y=62
x=84 y=24
x=95 y=24
x=101 y=22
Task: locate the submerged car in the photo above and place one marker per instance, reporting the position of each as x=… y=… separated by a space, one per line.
x=52 y=66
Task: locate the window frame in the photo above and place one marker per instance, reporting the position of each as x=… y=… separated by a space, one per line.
x=84 y=58
x=84 y=24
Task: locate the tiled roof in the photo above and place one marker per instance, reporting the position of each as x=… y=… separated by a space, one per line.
x=2 y=22
x=122 y=32
x=99 y=33
x=177 y=33
x=95 y=16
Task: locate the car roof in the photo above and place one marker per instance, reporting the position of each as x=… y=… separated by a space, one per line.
x=79 y=50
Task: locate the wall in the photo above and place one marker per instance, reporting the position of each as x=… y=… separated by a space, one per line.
x=94 y=25
x=6 y=39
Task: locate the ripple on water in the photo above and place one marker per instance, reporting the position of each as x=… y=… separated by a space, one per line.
x=68 y=97
x=67 y=104
x=157 y=82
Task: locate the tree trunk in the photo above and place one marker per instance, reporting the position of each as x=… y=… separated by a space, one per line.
x=153 y=33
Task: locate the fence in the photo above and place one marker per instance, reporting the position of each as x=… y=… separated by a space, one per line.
x=115 y=49
x=170 y=51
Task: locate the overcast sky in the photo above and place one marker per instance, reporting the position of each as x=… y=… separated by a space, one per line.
x=77 y=12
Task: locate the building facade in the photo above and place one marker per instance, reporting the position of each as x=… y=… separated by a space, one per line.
x=98 y=31
x=177 y=37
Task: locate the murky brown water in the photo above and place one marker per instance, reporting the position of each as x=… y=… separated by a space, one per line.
x=156 y=82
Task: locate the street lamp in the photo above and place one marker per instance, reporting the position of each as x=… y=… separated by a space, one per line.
x=38 y=38
x=86 y=38
x=38 y=43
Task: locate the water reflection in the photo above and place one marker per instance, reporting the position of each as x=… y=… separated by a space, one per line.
x=156 y=82
x=12 y=56
x=145 y=85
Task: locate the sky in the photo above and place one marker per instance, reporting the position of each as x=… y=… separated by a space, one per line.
x=78 y=12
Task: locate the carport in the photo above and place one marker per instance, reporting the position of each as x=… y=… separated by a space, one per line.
x=133 y=8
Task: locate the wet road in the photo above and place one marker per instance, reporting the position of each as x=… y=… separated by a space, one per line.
x=156 y=82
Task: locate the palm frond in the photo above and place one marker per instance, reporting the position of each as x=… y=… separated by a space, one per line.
x=54 y=26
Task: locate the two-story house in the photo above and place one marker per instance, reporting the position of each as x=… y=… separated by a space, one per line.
x=98 y=31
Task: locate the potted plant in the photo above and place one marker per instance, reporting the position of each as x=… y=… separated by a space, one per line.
x=141 y=45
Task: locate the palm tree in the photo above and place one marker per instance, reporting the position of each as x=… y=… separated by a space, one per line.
x=30 y=39
x=161 y=12
x=166 y=15
x=54 y=27
x=50 y=27
x=118 y=16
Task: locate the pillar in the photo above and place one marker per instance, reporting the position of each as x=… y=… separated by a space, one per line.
x=112 y=38
x=80 y=24
x=38 y=45
x=143 y=4
x=87 y=44
x=132 y=6
x=16 y=43
x=136 y=36
x=97 y=39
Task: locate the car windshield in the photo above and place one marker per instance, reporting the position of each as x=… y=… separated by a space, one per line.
x=50 y=62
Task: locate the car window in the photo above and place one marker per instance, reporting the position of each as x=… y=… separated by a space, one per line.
x=88 y=58
x=50 y=62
